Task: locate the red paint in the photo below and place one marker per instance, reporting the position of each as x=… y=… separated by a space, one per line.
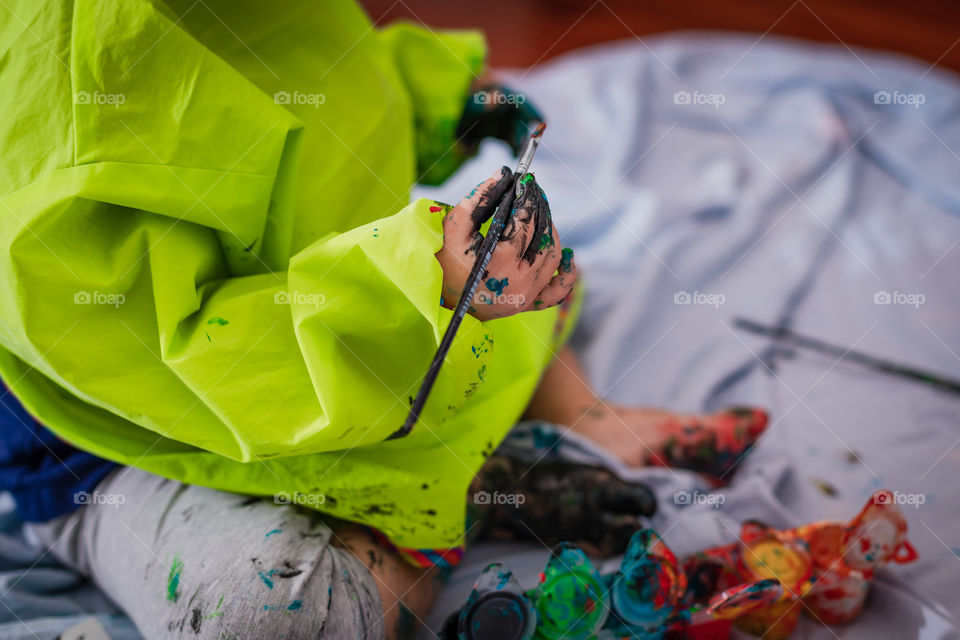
x=436 y=209
x=834 y=594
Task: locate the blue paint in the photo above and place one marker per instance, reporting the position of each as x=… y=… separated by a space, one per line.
x=296 y=605
x=266 y=580
x=639 y=592
x=270 y=533
x=483 y=347
x=504 y=577
x=497 y=286
x=545 y=437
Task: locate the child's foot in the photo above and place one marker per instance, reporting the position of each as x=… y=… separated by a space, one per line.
x=709 y=444
x=712 y=445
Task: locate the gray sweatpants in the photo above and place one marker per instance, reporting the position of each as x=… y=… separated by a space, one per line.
x=187 y=561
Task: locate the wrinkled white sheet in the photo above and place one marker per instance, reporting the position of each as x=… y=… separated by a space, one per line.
x=797 y=199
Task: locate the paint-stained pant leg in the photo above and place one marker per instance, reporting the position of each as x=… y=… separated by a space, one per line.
x=186 y=561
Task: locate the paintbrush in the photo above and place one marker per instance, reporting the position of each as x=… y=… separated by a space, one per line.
x=490 y=241
x=886 y=366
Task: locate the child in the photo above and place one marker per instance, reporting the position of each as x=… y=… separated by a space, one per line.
x=212 y=290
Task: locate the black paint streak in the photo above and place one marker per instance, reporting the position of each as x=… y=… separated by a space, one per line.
x=406 y=625
x=247 y=502
x=196 y=620
x=529 y=221
x=490 y=198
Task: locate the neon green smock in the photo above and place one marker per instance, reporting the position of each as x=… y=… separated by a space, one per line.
x=209 y=268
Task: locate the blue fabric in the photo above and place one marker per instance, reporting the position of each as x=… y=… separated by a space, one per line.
x=43 y=473
x=41 y=597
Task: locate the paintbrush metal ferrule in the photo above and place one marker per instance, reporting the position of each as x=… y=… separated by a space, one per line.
x=529 y=149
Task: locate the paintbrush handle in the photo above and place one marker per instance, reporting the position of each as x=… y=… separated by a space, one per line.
x=879 y=364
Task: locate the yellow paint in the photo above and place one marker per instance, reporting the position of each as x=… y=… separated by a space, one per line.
x=772 y=559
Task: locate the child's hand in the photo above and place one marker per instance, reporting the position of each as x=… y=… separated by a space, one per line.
x=557 y=500
x=520 y=274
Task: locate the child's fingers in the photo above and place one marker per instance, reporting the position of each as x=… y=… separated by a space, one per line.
x=560 y=285
x=619 y=496
x=503 y=260
x=529 y=219
x=541 y=236
x=489 y=197
x=548 y=257
x=463 y=222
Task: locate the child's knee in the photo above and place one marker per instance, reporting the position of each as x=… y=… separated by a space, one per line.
x=336 y=597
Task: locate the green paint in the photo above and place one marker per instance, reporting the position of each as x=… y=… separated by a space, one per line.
x=566 y=259
x=546 y=240
x=216 y=613
x=218 y=320
x=569 y=578
x=173 y=579
x=521 y=191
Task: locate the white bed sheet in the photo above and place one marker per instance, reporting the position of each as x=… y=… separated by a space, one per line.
x=798 y=199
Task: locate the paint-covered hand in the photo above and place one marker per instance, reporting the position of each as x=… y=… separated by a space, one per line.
x=495 y=111
x=529 y=269
x=551 y=501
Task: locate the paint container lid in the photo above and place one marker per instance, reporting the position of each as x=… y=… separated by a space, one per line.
x=571 y=600
x=776 y=559
x=768 y=553
x=499 y=616
x=648 y=586
x=497 y=609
